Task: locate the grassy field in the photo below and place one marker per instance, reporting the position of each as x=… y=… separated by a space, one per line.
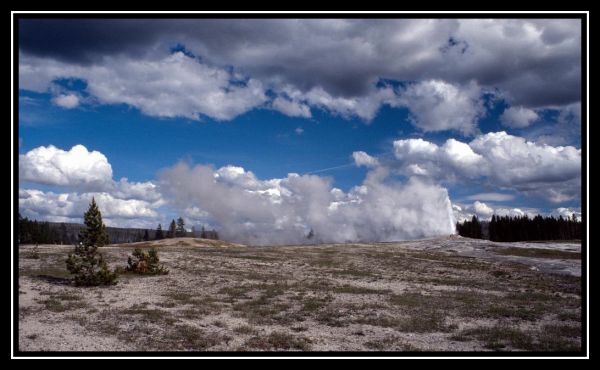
x=380 y=297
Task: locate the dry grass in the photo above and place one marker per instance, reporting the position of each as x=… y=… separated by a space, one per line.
x=539 y=253
x=384 y=297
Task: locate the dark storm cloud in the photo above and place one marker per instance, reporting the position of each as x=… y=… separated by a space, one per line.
x=84 y=41
x=535 y=63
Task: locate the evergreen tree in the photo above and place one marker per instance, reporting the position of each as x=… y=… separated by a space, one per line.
x=172 y=230
x=87 y=264
x=64 y=236
x=146 y=236
x=159 y=233
x=180 y=231
x=95 y=231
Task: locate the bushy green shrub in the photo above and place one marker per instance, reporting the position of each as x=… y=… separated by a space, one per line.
x=146 y=263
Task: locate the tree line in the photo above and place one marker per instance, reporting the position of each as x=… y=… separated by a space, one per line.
x=34 y=232
x=44 y=232
x=177 y=230
x=521 y=228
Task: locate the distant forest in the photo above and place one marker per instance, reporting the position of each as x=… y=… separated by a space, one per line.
x=43 y=232
x=515 y=229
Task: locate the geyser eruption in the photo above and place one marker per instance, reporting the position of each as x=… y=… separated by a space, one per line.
x=306 y=208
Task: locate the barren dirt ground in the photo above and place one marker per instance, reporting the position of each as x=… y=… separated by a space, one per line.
x=445 y=294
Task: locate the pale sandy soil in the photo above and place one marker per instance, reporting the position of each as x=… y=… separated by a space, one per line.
x=444 y=294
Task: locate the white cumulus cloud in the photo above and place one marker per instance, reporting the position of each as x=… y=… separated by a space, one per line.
x=175 y=85
x=436 y=105
x=363 y=159
x=67 y=101
x=566 y=212
x=85 y=175
x=503 y=160
x=518 y=117
x=291 y=108
x=76 y=167
x=70 y=207
x=484 y=212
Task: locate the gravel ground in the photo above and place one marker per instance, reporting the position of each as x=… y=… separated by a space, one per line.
x=444 y=294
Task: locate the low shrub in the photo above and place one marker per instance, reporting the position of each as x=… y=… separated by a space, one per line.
x=145 y=263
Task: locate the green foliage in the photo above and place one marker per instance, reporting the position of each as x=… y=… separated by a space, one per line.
x=145 y=263
x=523 y=228
x=172 y=230
x=95 y=231
x=180 y=229
x=32 y=231
x=159 y=233
x=89 y=267
x=86 y=263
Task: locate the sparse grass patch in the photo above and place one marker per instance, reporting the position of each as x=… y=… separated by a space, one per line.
x=383 y=320
x=34 y=253
x=499 y=337
x=409 y=300
x=353 y=271
x=54 y=304
x=560 y=330
x=189 y=338
x=501 y=274
x=352 y=289
x=449 y=261
x=193 y=313
x=272 y=290
x=390 y=344
x=47 y=271
x=219 y=324
x=570 y=316
x=245 y=329
x=149 y=315
x=550 y=340
x=167 y=304
x=181 y=298
x=279 y=341
x=311 y=305
x=262 y=310
x=325 y=262
x=428 y=321
x=66 y=296
x=235 y=292
x=332 y=317
x=81 y=320
x=538 y=253
x=254 y=257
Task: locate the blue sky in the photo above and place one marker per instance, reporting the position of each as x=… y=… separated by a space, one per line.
x=274 y=114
